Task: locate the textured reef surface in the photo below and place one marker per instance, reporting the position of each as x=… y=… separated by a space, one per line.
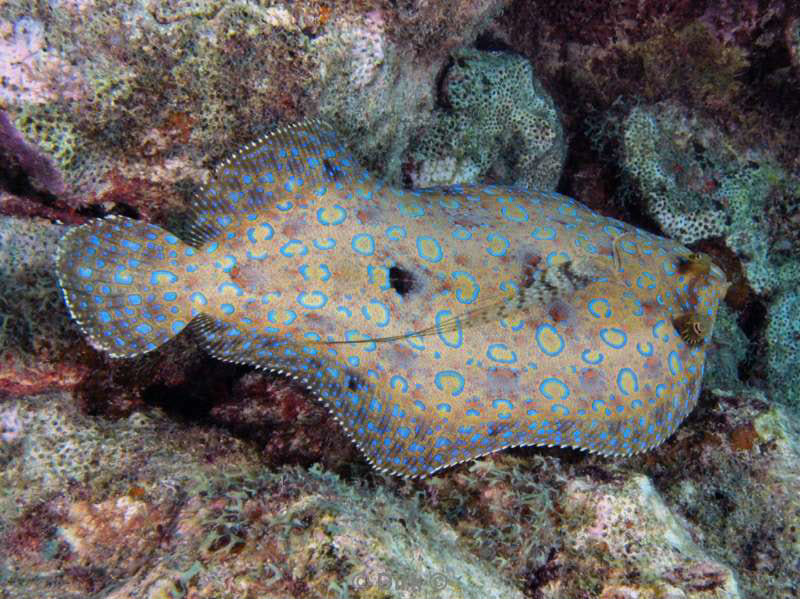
x=176 y=475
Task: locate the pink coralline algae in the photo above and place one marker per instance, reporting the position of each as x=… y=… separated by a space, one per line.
x=28 y=71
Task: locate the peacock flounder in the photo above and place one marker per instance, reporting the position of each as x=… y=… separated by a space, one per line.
x=436 y=325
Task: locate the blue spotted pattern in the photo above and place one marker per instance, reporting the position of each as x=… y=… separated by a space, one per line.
x=436 y=325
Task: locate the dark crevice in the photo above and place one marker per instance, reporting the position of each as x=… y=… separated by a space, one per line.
x=487 y=42
x=192 y=400
x=17 y=182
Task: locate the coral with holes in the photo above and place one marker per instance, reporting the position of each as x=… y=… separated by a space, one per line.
x=496 y=122
x=783 y=347
x=696 y=185
x=728 y=352
x=379 y=70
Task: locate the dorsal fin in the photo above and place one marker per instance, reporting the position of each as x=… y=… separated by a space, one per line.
x=301 y=158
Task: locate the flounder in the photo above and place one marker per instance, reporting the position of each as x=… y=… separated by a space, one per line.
x=436 y=325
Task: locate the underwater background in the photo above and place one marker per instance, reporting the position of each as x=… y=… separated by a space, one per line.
x=177 y=475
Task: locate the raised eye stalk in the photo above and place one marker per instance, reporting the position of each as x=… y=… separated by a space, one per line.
x=692 y=327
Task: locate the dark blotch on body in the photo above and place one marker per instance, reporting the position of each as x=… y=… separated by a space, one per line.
x=401 y=280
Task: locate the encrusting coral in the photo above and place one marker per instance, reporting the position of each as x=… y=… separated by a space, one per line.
x=495 y=122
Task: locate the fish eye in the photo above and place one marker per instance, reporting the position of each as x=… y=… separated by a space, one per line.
x=691 y=329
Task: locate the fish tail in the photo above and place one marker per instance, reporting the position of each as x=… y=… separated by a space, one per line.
x=124 y=284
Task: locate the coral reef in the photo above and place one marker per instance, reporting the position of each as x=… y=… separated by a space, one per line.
x=696 y=186
x=783 y=347
x=176 y=475
x=496 y=123
x=730 y=347
x=214 y=75
x=38 y=342
x=145 y=506
x=196 y=514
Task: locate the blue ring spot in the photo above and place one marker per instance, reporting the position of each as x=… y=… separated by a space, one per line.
x=613 y=337
x=429 y=249
x=515 y=218
x=325 y=244
x=228 y=284
x=270 y=231
x=597 y=304
x=363 y=244
x=198 y=298
x=459 y=274
x=331 y=215
x=549 y=340
x=501 y=251
x=157 y=275
x=294 y=247
x=612 y=230
x=554 y=389
x=646 y=281
x=396 y=232
x=399 y=381
x=312 y=300
x=123 y=279
x=627 y=381
x=227 y=309
x=499 y=352
x=675 y=365
x=544 y=233
x=497 y=403
x=442 y=314
x=586 y=356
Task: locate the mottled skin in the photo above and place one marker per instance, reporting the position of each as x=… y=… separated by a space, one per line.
x=360 y=284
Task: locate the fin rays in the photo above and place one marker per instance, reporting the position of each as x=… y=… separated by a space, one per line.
x=278 y=164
